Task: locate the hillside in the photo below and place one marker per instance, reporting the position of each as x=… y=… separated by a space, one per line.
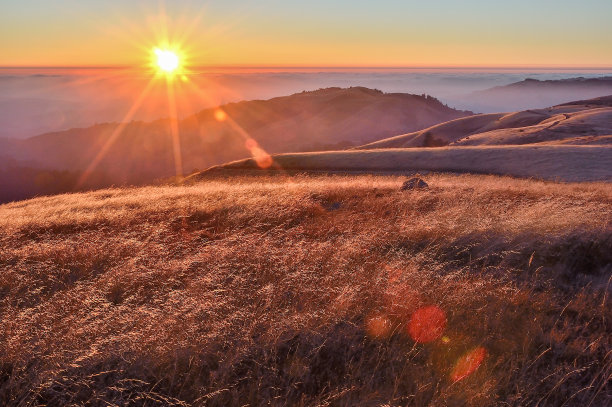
x=309 y=291
x=600 y=101
x=332 y=118
x=557 y=162
x=534 y=93
x=581 y=122
x=307 y=121
x=587 y=126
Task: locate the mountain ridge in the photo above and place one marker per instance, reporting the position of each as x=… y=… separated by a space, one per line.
x=533 y=93
x=325 y=119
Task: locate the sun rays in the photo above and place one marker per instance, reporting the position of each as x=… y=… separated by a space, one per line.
x=115 y=134
x=169 y=65
x=174 y=130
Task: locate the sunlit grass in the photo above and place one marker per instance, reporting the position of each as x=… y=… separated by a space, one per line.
x=309 y=291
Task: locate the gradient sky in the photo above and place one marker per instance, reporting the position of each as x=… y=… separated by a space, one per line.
x=311 y=33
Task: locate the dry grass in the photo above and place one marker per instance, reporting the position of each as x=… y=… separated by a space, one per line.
x=561 y=162
x=554 y=125
x=298 y=291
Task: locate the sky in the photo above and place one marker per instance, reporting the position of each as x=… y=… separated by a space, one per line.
x=407 y=33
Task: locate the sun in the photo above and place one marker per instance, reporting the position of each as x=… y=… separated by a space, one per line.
x=167 y=60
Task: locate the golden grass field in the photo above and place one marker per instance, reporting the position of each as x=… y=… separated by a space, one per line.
x=309 y=290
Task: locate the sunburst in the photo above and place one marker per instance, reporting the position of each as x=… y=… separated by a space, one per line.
x=170 y=59
x=167 y=60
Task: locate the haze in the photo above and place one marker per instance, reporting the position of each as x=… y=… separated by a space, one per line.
x=37 y=101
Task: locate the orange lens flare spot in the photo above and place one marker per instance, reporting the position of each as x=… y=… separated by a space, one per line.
x=468 y=363
x=261 y=157
x=378 y=326
x=427 y=324
x=220 y=115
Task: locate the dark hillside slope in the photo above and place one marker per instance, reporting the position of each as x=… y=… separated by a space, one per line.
x=326 y=119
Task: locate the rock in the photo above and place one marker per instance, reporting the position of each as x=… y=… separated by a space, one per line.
x=334 y=206
x=414 y=183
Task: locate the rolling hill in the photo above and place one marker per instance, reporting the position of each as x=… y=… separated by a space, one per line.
x=570 y=142
x=309 y=121
x=580 y=122
x=327 y=119
x=561 y=163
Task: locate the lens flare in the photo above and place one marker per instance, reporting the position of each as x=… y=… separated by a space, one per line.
x=220 y=115
x=427 y=324
x=261 y=157
x=468 y=363
x=378 y=326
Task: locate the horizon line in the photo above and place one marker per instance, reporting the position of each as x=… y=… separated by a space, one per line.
x=244 y=66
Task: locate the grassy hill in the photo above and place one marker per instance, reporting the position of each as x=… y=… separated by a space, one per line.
x=552 y=162
x=582 y=122
x=340 y=290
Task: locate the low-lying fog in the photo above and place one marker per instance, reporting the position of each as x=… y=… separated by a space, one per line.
x=44 y=100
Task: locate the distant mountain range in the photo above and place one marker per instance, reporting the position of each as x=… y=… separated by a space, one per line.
x=534 y=93
x=326 y=119
x=557 y=83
